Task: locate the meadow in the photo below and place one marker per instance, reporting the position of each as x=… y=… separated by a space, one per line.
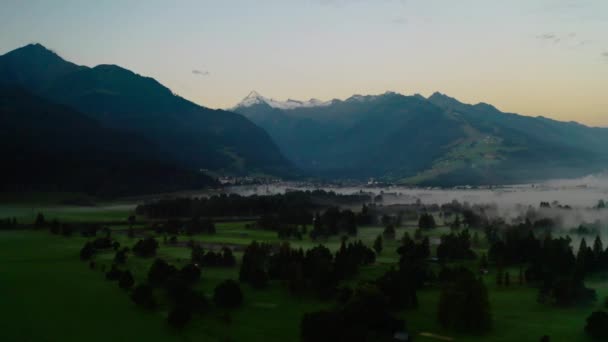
x=48 y=294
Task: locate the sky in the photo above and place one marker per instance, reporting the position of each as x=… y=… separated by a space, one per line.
x=533 y=57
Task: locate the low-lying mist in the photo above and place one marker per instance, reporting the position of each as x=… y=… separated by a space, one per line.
x=568 y=202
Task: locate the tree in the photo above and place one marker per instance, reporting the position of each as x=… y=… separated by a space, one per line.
x=160 y=272
x=475 y=240
x=228 y=258
x=197 y=255
x=114 y=273
x=143 y=296
x=483 y=262
x=179 y=316
x=499 y=277
x=455 y=246
x=426 y=221
x=190 y=273
x=126 y=280
x=596 y=325
x=131 y=220
x=389 y=232
x=40 y=221
x=366 y=316
x=456 y=223
x=146 y=248
x=598 y=250
x=121 y=256
x=378 y=244
x=418 y=234
x=87 y=251
x=228 y=294
x=507 y=279
x=464 y=304
x=55 y=227
x=253 y=266
x=398 y=289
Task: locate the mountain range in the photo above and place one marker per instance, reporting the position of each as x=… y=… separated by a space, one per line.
x=426 y=141
x=196 y=136
x=109 y=130
x=151 y=122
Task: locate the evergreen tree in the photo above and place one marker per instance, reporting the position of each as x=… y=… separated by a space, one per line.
x=475 y=240
x=456 y=223
x=499 y=277
x=378 y=244
x=126 y=280
x=40 y=221
x=483 y=262
x=464 y=304
x=389 y=232
x=598 y=248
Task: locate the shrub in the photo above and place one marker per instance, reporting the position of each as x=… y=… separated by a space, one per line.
x=228 y=294
x=143 y=296
x=596 y=325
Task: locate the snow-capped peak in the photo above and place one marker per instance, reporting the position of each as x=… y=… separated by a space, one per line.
x=255 y=98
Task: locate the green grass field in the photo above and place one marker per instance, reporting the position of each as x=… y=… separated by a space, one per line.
x=48 y=294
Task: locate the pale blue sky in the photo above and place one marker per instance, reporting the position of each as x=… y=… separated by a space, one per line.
x=544 y=57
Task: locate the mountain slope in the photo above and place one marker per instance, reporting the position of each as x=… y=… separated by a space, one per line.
x=197 y=137
x=434 y=141
x=46 y=146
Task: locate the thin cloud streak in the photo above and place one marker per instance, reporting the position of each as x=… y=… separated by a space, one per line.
x=200 y=72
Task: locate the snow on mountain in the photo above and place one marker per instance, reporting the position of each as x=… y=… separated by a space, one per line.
x=254 y=98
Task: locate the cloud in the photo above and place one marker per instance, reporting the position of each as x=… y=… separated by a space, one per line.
x=200 y=72
x=342 y=3
x=605 y=55
x=399 y=21
x=550 y=37
x=569 y=40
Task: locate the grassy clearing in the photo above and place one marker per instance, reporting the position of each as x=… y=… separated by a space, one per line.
x=26 y=213
x=48 y=294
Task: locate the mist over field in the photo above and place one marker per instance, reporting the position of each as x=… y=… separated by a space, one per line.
x=572 y=201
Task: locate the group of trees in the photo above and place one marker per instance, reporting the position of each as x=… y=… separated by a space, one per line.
x=426 y=221
x=463 y=303
x=596 y=325
x=59 y=228
x=237 y=205
x=552 y=264
x=8 y=223
x=317 y=269
x=455 y=246
x=228 y=294
x=334 y=221
x=225 y=258
x=91 y=247
x=124 y=277
x=292 y=231
x=146 y=248
x=413 y=262
x=365 y=316
x=177 y=285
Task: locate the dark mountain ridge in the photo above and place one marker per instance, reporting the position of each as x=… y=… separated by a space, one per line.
x=195 y=136
x=50 y=147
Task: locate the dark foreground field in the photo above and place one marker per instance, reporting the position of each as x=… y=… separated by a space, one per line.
x=48 y=294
